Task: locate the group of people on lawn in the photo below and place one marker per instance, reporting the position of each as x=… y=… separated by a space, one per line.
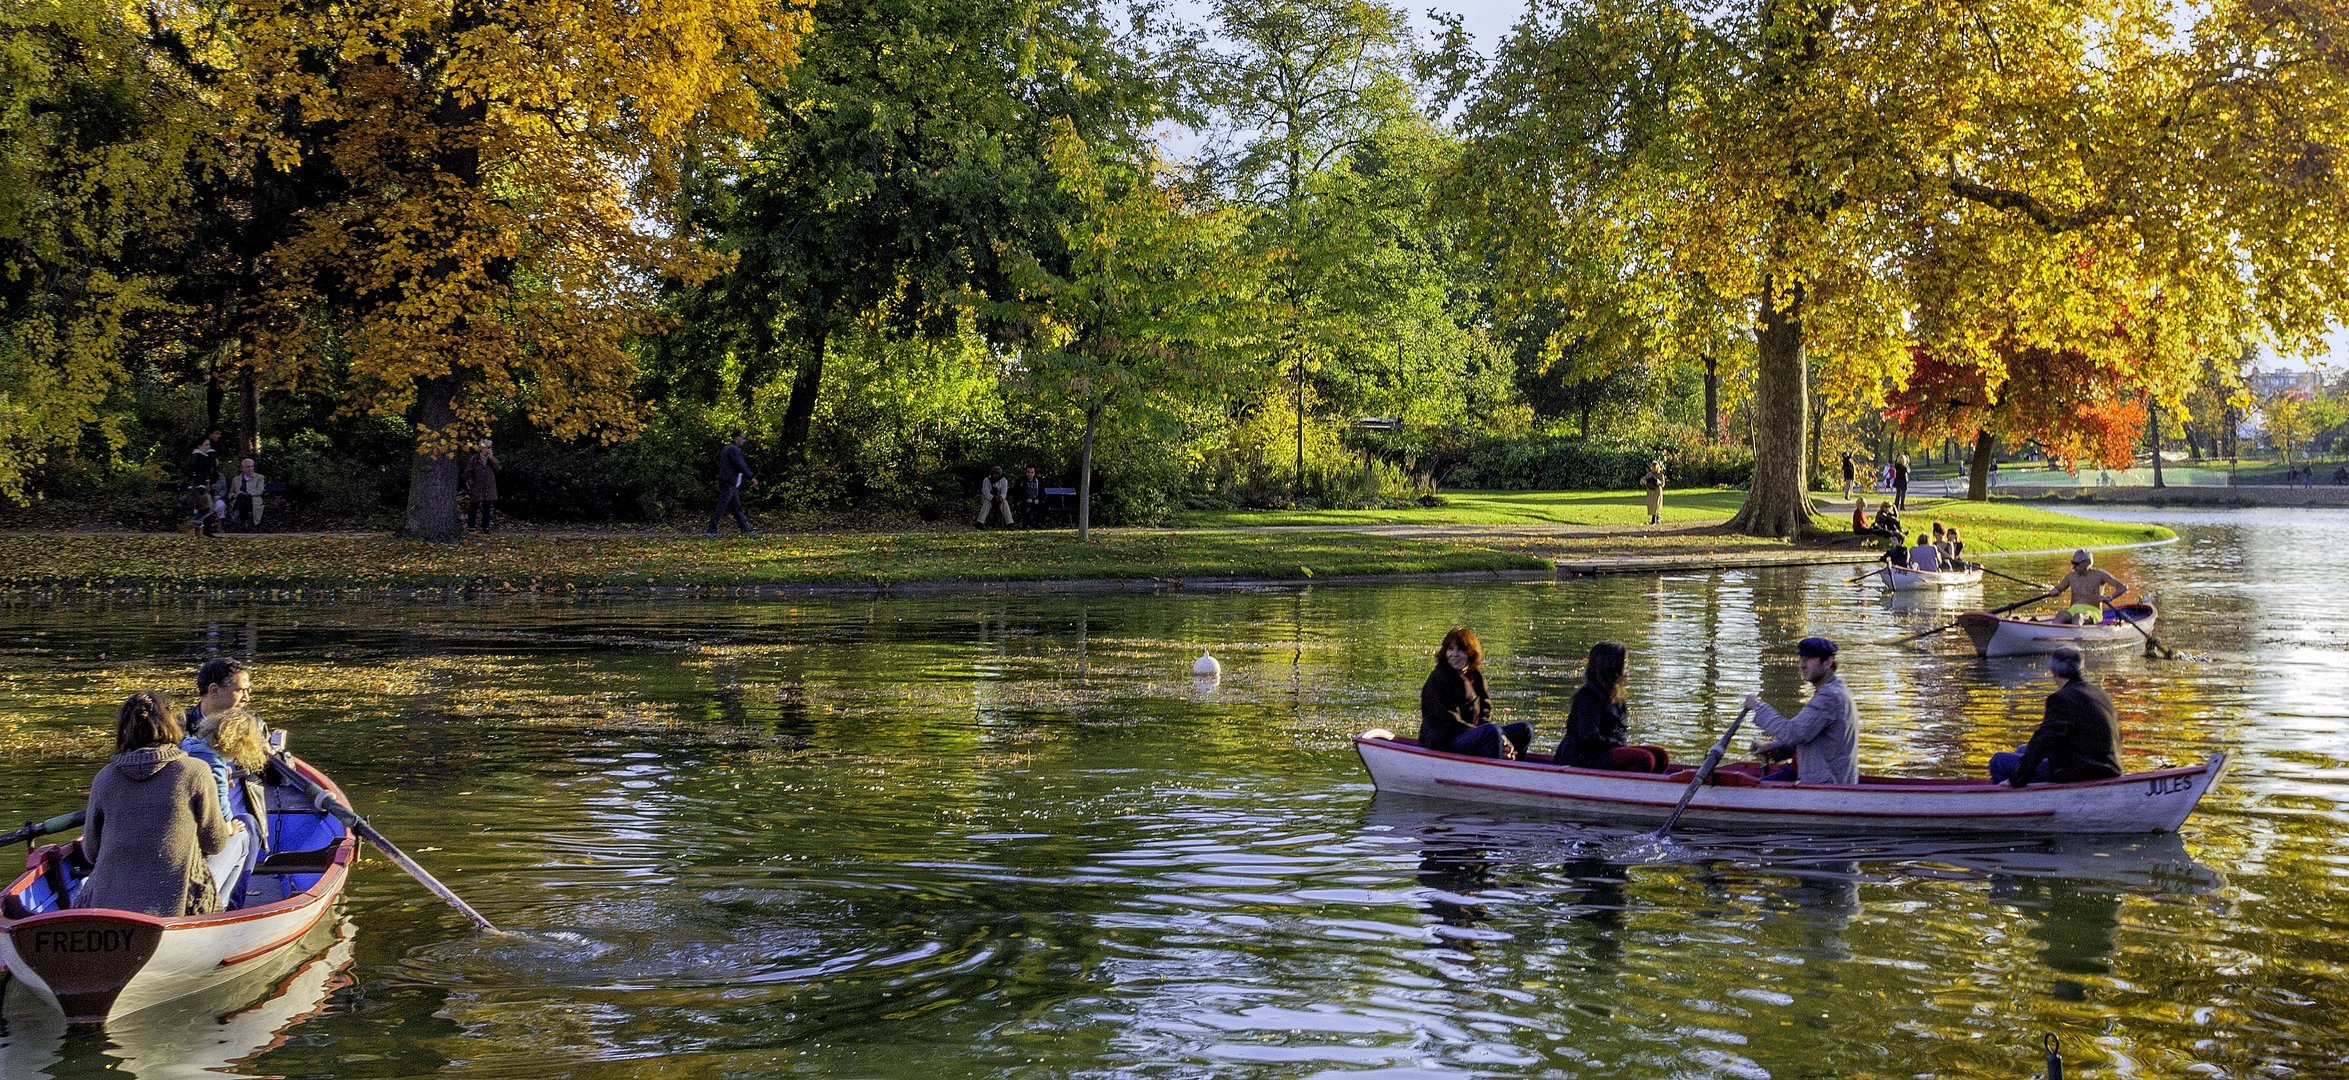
x=2078 y=739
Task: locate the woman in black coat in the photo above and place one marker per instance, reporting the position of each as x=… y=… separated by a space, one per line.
x=1597 y=724
x=1455 y=712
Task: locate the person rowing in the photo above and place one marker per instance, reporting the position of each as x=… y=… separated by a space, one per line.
x=2086 y=583
x=1823 y=738
x=2079 y=737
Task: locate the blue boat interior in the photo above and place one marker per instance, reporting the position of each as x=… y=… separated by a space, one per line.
x=302 y=841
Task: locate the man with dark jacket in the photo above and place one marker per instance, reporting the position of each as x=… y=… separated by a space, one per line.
x=733 y=474
x=2080 y=739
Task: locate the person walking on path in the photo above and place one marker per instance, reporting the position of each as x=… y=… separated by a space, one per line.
x=994 y=496
x=1654 y=482
x=733 y=475
x=1900 y=483
x=481 y=479
x=1847 y=475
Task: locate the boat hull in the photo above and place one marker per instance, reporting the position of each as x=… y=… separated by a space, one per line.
x=94 y=964
x=2139 y=803
x=1903 y=579
x=1999 y=635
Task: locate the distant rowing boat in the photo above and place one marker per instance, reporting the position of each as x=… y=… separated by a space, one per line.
x=2151 y=802
x=93 y=964
x=1904 y=579
x=2003 y=635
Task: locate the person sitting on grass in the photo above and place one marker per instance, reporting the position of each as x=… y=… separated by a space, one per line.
x=1887 y=520
x=1455 y=711
x=1859 y=516
x=1597 y=724
x=2078 y=739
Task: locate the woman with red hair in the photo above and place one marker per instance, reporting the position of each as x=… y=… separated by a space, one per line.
x=1455 y=712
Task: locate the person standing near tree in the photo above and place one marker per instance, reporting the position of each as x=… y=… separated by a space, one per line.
x=733 y=475
x=1847 y=474
x=481 y=479
x=1900 y=483
x=1654 y=482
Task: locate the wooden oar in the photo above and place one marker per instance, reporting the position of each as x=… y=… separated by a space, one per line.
x=1704 y=772
x=36 y=829
x=2010 y=577
x=326 y=801
x=1863 y=577
x=1953 y=625
x=2153 y=645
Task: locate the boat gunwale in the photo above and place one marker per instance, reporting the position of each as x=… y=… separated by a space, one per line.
x=325 y=889
x=1891 y=785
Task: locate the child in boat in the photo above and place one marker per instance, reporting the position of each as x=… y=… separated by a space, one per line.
x=1597 y=724
x=230 y=743
x=150 y=826
x=1455 y=712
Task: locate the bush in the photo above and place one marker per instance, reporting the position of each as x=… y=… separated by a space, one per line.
x=1552 y=463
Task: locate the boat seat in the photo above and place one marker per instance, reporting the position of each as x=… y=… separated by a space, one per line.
x=314 y=861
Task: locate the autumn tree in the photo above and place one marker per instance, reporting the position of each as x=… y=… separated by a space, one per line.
x=1810 y=157
x=506 y=220
x=100 y=153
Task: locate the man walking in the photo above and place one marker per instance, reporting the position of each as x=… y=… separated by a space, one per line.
x=733 y=475
x=1847 y=477
x=1900 y=483
x=481 y=480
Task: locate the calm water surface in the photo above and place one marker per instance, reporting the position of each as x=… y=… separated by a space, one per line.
x=1011 y=836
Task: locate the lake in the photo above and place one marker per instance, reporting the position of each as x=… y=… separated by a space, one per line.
x=1011 y=835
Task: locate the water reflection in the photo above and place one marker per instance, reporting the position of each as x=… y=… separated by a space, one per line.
x=1009 y=835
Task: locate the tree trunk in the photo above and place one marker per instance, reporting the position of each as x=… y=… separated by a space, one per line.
x=1712 y=401
x=1296 y=490
x=805 y=383
x=1778 y=503
x=432 y=477
x=248 y=416
x=2153 y=433
x=1978 y=475
x=1085 y=477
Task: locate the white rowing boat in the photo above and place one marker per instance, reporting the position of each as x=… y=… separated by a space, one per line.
x=93 y=964
x=1903 y=579
x=2005 y=635
x=2137 y=803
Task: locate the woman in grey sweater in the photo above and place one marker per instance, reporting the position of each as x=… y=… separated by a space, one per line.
x=154 y=815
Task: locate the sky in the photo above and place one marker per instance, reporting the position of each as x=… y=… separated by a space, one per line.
x=1489 y=20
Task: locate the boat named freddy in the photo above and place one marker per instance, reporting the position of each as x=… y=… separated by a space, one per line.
x=2152 y=802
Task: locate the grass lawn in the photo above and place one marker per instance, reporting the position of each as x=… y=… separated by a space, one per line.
x=1998 y=525
x=1466 y=507
x=156 y=562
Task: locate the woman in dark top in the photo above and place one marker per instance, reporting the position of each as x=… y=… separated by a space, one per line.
x=1597 y=724
x=1455 y=713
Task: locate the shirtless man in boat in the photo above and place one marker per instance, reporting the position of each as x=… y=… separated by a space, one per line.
x=2087 y=582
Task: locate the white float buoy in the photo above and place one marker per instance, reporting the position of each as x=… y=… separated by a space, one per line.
x=1206 y=665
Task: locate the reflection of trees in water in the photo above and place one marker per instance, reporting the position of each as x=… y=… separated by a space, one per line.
x=2076 y=926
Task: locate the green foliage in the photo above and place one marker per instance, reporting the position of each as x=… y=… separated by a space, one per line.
x=1556 y=463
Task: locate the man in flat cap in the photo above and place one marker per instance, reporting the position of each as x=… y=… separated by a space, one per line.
x=1823 y=739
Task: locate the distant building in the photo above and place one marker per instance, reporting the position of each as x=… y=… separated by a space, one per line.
x=2267 y=384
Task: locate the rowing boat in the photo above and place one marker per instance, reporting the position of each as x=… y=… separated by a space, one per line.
x=94 y=964
x=1904 y=579
x=2005 y=635
x=2150 y=802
